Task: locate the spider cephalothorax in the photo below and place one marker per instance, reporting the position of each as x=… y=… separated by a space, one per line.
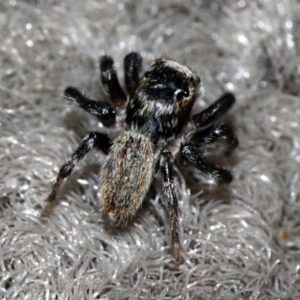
x=158 y=109
x=163 y=101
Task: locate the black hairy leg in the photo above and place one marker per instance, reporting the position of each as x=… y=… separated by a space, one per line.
x=110 y=81
x=213 y=133
x=92 y=140
x=169 y=188
x=194 y=156
x=214 y=111
x=102 y=109
x=132 y=66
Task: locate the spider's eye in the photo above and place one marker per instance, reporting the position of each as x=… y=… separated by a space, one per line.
x=186 y=93
x=194 y=81
x=147 y=74
x=181 y=94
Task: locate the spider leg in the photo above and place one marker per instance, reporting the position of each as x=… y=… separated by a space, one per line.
x=103 y=110
x=214 y=133
x=166 y=167
x=132 y=66
x=95 y=139
x=110 y=81
x=214 y=111
x=194 y=156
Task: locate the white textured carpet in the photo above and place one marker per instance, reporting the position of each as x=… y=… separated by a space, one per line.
x=240 y=242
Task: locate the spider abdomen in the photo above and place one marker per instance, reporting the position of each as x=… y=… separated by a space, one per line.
x=125 y=176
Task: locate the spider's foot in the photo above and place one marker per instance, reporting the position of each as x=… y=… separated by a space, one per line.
x=47 y=210
x=176 y=253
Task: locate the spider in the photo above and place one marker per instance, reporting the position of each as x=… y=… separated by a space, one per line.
x=158 y=127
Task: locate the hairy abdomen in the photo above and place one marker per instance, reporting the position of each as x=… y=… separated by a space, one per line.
x=125 y=177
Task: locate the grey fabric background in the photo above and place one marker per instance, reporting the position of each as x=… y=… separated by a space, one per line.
x=240 y=242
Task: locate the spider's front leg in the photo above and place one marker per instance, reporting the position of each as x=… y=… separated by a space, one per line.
x=110 y=81
x=194 y=156
x=214 y=111
x=95 y=139
x=132 y=66
x=102 y=109
x=169 y=188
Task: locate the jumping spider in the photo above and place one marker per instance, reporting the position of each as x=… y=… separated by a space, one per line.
x=158 y=117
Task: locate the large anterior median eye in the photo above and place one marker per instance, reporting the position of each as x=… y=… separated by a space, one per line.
x=181 y=94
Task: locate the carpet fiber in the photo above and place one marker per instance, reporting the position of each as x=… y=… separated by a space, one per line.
x=239 y=242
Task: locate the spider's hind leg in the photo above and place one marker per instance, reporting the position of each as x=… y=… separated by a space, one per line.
x=95 y=139
x=166 y=167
